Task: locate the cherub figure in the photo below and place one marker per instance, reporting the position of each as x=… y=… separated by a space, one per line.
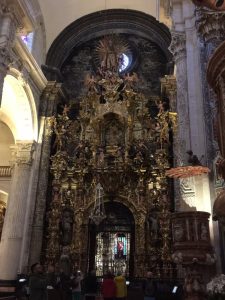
x=160 y=106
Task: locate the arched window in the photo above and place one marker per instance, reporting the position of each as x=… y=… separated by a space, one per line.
x=28 y=40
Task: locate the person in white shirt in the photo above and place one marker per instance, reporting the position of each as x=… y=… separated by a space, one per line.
x=76 y=285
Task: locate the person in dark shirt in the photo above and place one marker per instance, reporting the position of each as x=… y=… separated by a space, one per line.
x=38 y=283
x=90 y=286
x=149 y=287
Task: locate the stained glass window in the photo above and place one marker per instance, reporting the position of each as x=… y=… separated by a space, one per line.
x=28 y=40
x=112 y=253
x=125 y=62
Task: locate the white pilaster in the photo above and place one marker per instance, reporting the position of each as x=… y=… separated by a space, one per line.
x=178 y=48
x=13 y=229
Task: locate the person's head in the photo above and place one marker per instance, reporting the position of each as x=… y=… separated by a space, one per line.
x=109 y=275
x=149 y=274
x=119 y=273
x=37 y=268
x=51 y=269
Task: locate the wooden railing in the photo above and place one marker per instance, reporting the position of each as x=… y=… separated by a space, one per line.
x=5 y=171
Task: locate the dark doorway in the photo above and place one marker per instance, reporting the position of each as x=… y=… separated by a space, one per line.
x=111 y=244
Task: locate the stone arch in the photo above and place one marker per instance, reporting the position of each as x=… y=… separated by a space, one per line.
x=3 y=204
x=124 y=201
x=38 y=44
x=105 y=22
x=6 y=140
x=18 y=109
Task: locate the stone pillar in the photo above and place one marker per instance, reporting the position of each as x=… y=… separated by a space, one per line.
x=211 y=27
x=50 y=97
x=185 y=34
x=12 y=234
x=169 y=87
x=178 y=49
x=10 y=14
x=211 y=30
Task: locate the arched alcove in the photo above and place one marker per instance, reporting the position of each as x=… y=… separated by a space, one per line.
x=113 y=241
x=98 y=24
x=6 y=140
x=3 y=203
x=18 y=110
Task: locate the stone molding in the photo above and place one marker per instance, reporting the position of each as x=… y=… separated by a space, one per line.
x=22 y=153
x=27 y=66
x=13 y=52
x=19 y=13
x=50 y=95
x=178 y=45
x=216 y=67
x=13 y=10
x=105 y=22
x=216 y=78
x=211 y=25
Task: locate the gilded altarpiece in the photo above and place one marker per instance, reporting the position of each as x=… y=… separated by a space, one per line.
x=116 y=143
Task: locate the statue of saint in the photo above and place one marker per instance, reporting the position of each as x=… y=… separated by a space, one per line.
x=65 y=262
x=204 y=232
x=67 y=227
x=153 y=227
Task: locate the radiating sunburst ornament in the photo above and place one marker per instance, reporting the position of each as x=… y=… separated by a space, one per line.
x=109 y=52
x=187 y=171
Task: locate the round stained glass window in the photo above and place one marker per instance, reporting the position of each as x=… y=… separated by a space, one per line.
x=124 y=63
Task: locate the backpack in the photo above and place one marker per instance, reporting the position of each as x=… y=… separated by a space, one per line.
x=150 y=288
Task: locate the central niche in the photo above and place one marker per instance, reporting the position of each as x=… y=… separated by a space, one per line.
x=113 y=240
x=113 y=133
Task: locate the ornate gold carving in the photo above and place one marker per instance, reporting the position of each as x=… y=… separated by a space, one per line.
x=169 y=88
x=115 y=142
